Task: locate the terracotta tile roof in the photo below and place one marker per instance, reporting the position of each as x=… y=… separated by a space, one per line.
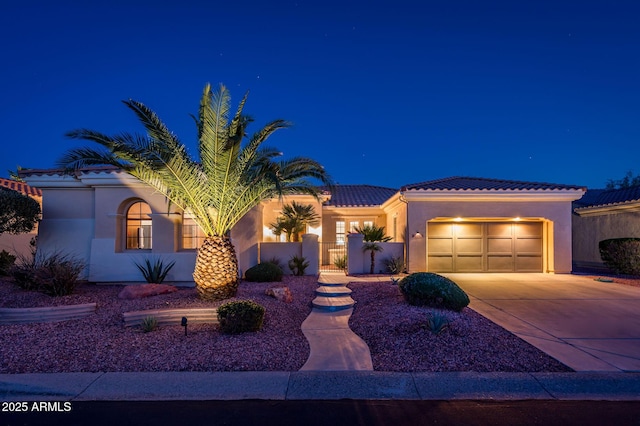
x=359 y=195
x=604 y=197
x=457 y=183
x=21 y=187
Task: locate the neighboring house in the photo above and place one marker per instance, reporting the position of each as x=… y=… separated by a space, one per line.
x=456 y=224
x=600 y=215
x=19 y=244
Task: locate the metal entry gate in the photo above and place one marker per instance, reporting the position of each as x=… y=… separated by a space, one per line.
x=333 y=256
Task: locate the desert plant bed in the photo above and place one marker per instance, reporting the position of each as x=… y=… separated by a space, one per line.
x=393 y=329
x=399 y=337
x=102 y=342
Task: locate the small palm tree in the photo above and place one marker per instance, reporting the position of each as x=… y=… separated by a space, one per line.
x=228 y=181
x=294 y=220
x=373 y=234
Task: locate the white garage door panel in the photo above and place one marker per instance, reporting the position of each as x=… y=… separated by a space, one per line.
x=485 y=247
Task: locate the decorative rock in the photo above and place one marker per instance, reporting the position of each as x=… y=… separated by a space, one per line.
x=281 y=293
x=138 y=291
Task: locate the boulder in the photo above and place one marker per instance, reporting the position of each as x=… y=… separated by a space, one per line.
x=281 y=293
x=138 y=291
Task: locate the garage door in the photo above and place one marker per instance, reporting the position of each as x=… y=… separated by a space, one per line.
x=485 y=247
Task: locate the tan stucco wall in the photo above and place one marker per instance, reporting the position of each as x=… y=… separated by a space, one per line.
x=273 y=208
x=353 y=214
x=558 y=213
x=589 y=230
x=85 y=217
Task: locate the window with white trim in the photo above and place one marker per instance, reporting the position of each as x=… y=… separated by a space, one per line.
x=139 y=226
x=192 y=235
x=340 y=234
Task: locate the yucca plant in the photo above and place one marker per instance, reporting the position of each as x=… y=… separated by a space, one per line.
x=154 y=270
x=298 y=264
x=218 y=189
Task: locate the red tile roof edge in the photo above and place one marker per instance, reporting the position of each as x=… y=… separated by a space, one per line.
x=21 y=187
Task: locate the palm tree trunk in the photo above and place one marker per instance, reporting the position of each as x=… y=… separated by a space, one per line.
x=216 y=270
x=373 y=261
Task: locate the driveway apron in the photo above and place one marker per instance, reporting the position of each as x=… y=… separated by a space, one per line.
x=587 y=325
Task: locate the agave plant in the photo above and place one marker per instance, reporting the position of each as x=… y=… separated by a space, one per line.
x=437 y=323
x=227 y=181
x=154 y=270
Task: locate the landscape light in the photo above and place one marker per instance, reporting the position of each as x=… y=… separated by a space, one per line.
x=184 y=324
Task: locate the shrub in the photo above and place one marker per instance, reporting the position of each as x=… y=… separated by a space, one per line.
x=264 y=272
x=154 y=270
x=437 y=323
x=149 y=324
x=275 y=261
x=56 y=274
x=298 y=265
x=394 y=265
x=622 y=255
x=426 y=288
x=6 y=262
x=341 y=262
x=240 y=316
x=19 y=212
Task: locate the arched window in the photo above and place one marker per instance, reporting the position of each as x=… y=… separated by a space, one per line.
x=139 y=226
x=192 y=235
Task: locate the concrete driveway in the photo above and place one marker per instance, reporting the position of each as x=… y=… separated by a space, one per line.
x=585 y=324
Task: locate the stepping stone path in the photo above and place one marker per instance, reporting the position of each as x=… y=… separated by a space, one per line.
x=334 y=347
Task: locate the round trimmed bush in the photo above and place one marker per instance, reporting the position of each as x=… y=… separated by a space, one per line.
x=264 y=272
x=427 y=288
x=240 y=316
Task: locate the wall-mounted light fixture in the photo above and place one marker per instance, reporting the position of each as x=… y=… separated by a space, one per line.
x=417 y=235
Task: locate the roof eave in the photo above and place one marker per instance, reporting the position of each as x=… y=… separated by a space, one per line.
x=493 y=195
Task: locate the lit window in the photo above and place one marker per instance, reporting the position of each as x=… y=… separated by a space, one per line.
x=353 y=225
x=340 y=234
x=368 y=223
x=139 y=226
x=192 y=235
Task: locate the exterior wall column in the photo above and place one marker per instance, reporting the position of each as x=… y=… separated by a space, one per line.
x=355 y=258
x=311 y=253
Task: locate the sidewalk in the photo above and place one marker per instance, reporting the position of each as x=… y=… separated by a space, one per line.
x=306 y=385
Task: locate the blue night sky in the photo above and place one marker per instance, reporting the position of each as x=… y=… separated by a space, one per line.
x=382 y=93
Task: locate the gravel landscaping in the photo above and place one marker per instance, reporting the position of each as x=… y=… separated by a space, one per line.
x=395 y=332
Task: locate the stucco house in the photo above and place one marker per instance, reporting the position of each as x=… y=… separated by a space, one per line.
x=600 y=215
x=457 y=224
x=19 y=244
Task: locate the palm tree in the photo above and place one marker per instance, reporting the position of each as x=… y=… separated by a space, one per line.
x=228 y=181
x=294 y=220
x=373 y=234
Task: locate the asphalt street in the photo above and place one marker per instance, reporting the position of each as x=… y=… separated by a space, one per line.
x=334 y=413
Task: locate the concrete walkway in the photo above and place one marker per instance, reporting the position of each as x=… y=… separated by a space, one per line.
x=585 y=324
x=333 y=346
